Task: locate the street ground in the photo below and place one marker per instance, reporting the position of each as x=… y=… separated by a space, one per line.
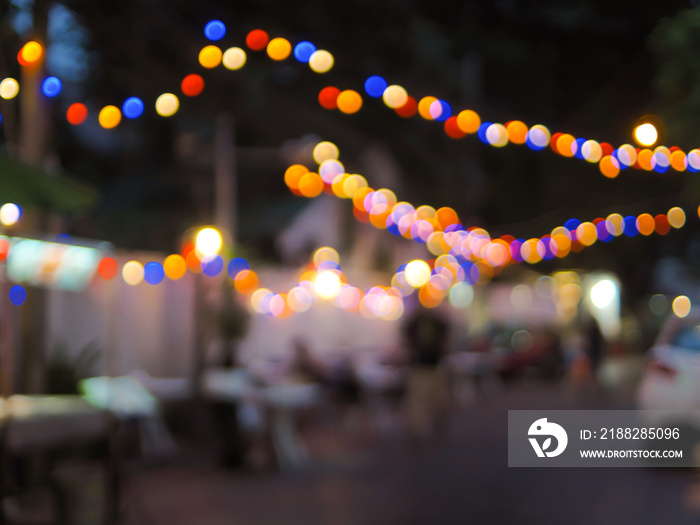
x=365 y=478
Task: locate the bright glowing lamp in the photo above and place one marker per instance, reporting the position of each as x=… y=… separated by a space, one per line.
x=417 y=273
x=327 y=284
x=681 y=306
x=9 y=88
x=646 y=134
x=167 y=105
x=321 y=61
x=9 y=214
x=208 y=242
x=603 y=293
x=234 y=58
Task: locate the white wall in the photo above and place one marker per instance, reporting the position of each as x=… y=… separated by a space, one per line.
x=143 y=326
x=153 y=327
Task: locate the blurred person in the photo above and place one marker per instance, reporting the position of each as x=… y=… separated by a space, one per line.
x=425 y=335
x=337 y=376
x=595 y=345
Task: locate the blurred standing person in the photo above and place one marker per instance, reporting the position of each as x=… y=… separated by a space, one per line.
x=595 y=345
x=425 y=335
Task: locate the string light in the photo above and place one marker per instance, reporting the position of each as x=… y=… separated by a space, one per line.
x=109 y=117
x=478 y=250
x=167 y=105
x=133 y=107
x=215 y=30
x=234 y=58
x=9 y=88
x=51 y=86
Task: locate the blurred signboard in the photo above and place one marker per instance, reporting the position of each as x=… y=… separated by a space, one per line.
x=51 y=264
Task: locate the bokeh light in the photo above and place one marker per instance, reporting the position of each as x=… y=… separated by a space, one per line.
x=257 y=40
x=258 y=297
x=327 y=284
x=461 y=295
x=325 y=151
x=395 y=96
x=352 y=184
x=210 y=57
x=408 y=109
x=693 y=159
x=76 y=113
x=603 y=293
x=644 y=159
x=615 y=224
x=293 y=175
x=681 y=306
x=132 y=273
x=167 y=105
x=9 y=88
x=646 y=224
x=279 y=48
x=246 y=281
x=4 y=248
x=110 y=117
x=299 y=299
x=538 y=137
x=192 y=85
x=424 y=106
x=193 y=260
x=153 y=273
x=234 y=58
x=349 y=297
x=133 y=107
x=17 y=295
x=626 y=155
x=452 y=128
x=417 y=273
x=609 y=167
x=517 y=132
x=497 y=135
x=31 y=52
x=676 y=217
x=107 y=268
x=679 y=160
x=468 y=121
x=212 y=265
x=328 y=97
x=10 y=214
x=237 y=265
x=330 y=170
x=629 y=226
x=175 y=266
x=563 y=145
x=591 y=151
x=646 y=134
x=303 y=51
x=321 y=61
x=662 y=224
x=375 y=86
x=311 y=185
x=51 y=86
x=208 y=242
x=215 y=30
x=440 y=110
x=349 y=101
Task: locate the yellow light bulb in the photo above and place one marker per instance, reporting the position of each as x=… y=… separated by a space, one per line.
x=327 y=284
x=208 y=242
x=646 y=134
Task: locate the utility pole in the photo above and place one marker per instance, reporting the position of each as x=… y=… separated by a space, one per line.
x=226 y=199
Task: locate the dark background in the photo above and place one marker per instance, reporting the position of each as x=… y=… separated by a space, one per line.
x=587 y=68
